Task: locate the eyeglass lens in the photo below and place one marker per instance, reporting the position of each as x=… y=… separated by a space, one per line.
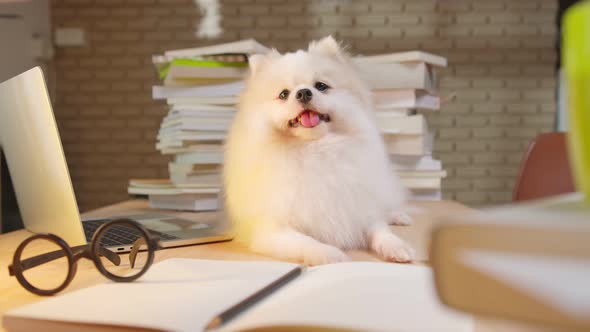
x=123 y=237
x=48 y=275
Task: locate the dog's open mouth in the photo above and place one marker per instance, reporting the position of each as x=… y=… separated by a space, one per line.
x=308 y=119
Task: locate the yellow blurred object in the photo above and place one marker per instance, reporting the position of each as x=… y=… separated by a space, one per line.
x=576 y=55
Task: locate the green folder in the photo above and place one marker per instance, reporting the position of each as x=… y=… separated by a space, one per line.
x=576 y=56
x=187 y=62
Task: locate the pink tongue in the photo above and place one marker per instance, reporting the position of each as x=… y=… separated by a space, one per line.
x=309 y=119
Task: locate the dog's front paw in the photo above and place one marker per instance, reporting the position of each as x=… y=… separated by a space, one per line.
x=400 y=218
x=393 y=249
x=324 y=254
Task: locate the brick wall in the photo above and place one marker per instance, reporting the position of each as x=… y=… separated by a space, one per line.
x=501 y=56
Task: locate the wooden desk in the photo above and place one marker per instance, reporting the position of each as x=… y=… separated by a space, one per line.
x=13 y=295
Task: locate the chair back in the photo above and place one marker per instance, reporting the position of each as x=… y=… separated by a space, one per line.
x=545 y=169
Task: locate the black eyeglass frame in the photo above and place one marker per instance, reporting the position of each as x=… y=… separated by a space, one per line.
x=92 y=251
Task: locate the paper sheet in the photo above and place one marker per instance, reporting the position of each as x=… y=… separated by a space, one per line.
x=359 y=296
x=175 y=295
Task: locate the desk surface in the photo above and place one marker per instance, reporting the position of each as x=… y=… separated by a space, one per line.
x=13 y=295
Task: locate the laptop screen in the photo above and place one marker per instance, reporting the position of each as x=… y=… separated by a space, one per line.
x=10 y=219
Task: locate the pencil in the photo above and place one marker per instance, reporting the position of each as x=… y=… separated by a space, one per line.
x=248 y=302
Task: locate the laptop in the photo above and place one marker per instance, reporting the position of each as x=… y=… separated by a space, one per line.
x=42 y=184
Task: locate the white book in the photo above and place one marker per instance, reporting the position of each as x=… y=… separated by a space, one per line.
x=247 y=46
x=220 y=116
x=174 y=120
x=398 y=76
x=180 y=144
x=187 y=108
x=198 y=186
x=171 y=149
x=193 y=168
x=413 y=145
x=218 y=90
x=421 y=183
x=200 y=157
x=202 y=107
x=405 y=98
x=418 y=163
x=210 y=111
x=173 y=191
x=170 y=145
x=192 y=136
x=186 y=148
x=166 y=187
x=209 y=180
x=195 y=126
x=185 y=202
x=224 y=101
x=406 y=125
x=421 y=174
x=150 y=183
x=351 y=296
x=401 y=57
x=176 y=132
x=210 y=148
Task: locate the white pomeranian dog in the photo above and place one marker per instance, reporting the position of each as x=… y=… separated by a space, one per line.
x=306 y=172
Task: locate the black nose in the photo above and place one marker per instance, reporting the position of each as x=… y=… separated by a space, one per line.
x=304 y=95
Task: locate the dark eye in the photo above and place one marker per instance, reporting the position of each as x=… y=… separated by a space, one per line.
x=321 y=86
x=284 y=94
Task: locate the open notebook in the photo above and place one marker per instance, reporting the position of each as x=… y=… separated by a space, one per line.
x=184 y=294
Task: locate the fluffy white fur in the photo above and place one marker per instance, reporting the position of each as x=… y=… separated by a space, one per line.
x=307 y=194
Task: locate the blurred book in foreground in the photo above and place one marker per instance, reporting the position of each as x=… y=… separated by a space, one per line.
x=526 y=261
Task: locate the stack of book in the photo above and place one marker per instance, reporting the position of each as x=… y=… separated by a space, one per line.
x=404 y=84
x=201 y=87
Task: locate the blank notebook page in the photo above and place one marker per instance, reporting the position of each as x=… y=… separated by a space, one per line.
x=358 y=296
x=174 y=295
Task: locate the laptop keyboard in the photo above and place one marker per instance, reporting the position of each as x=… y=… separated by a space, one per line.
x=120 y=235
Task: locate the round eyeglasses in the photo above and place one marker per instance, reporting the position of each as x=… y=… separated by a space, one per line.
x=45 y=264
